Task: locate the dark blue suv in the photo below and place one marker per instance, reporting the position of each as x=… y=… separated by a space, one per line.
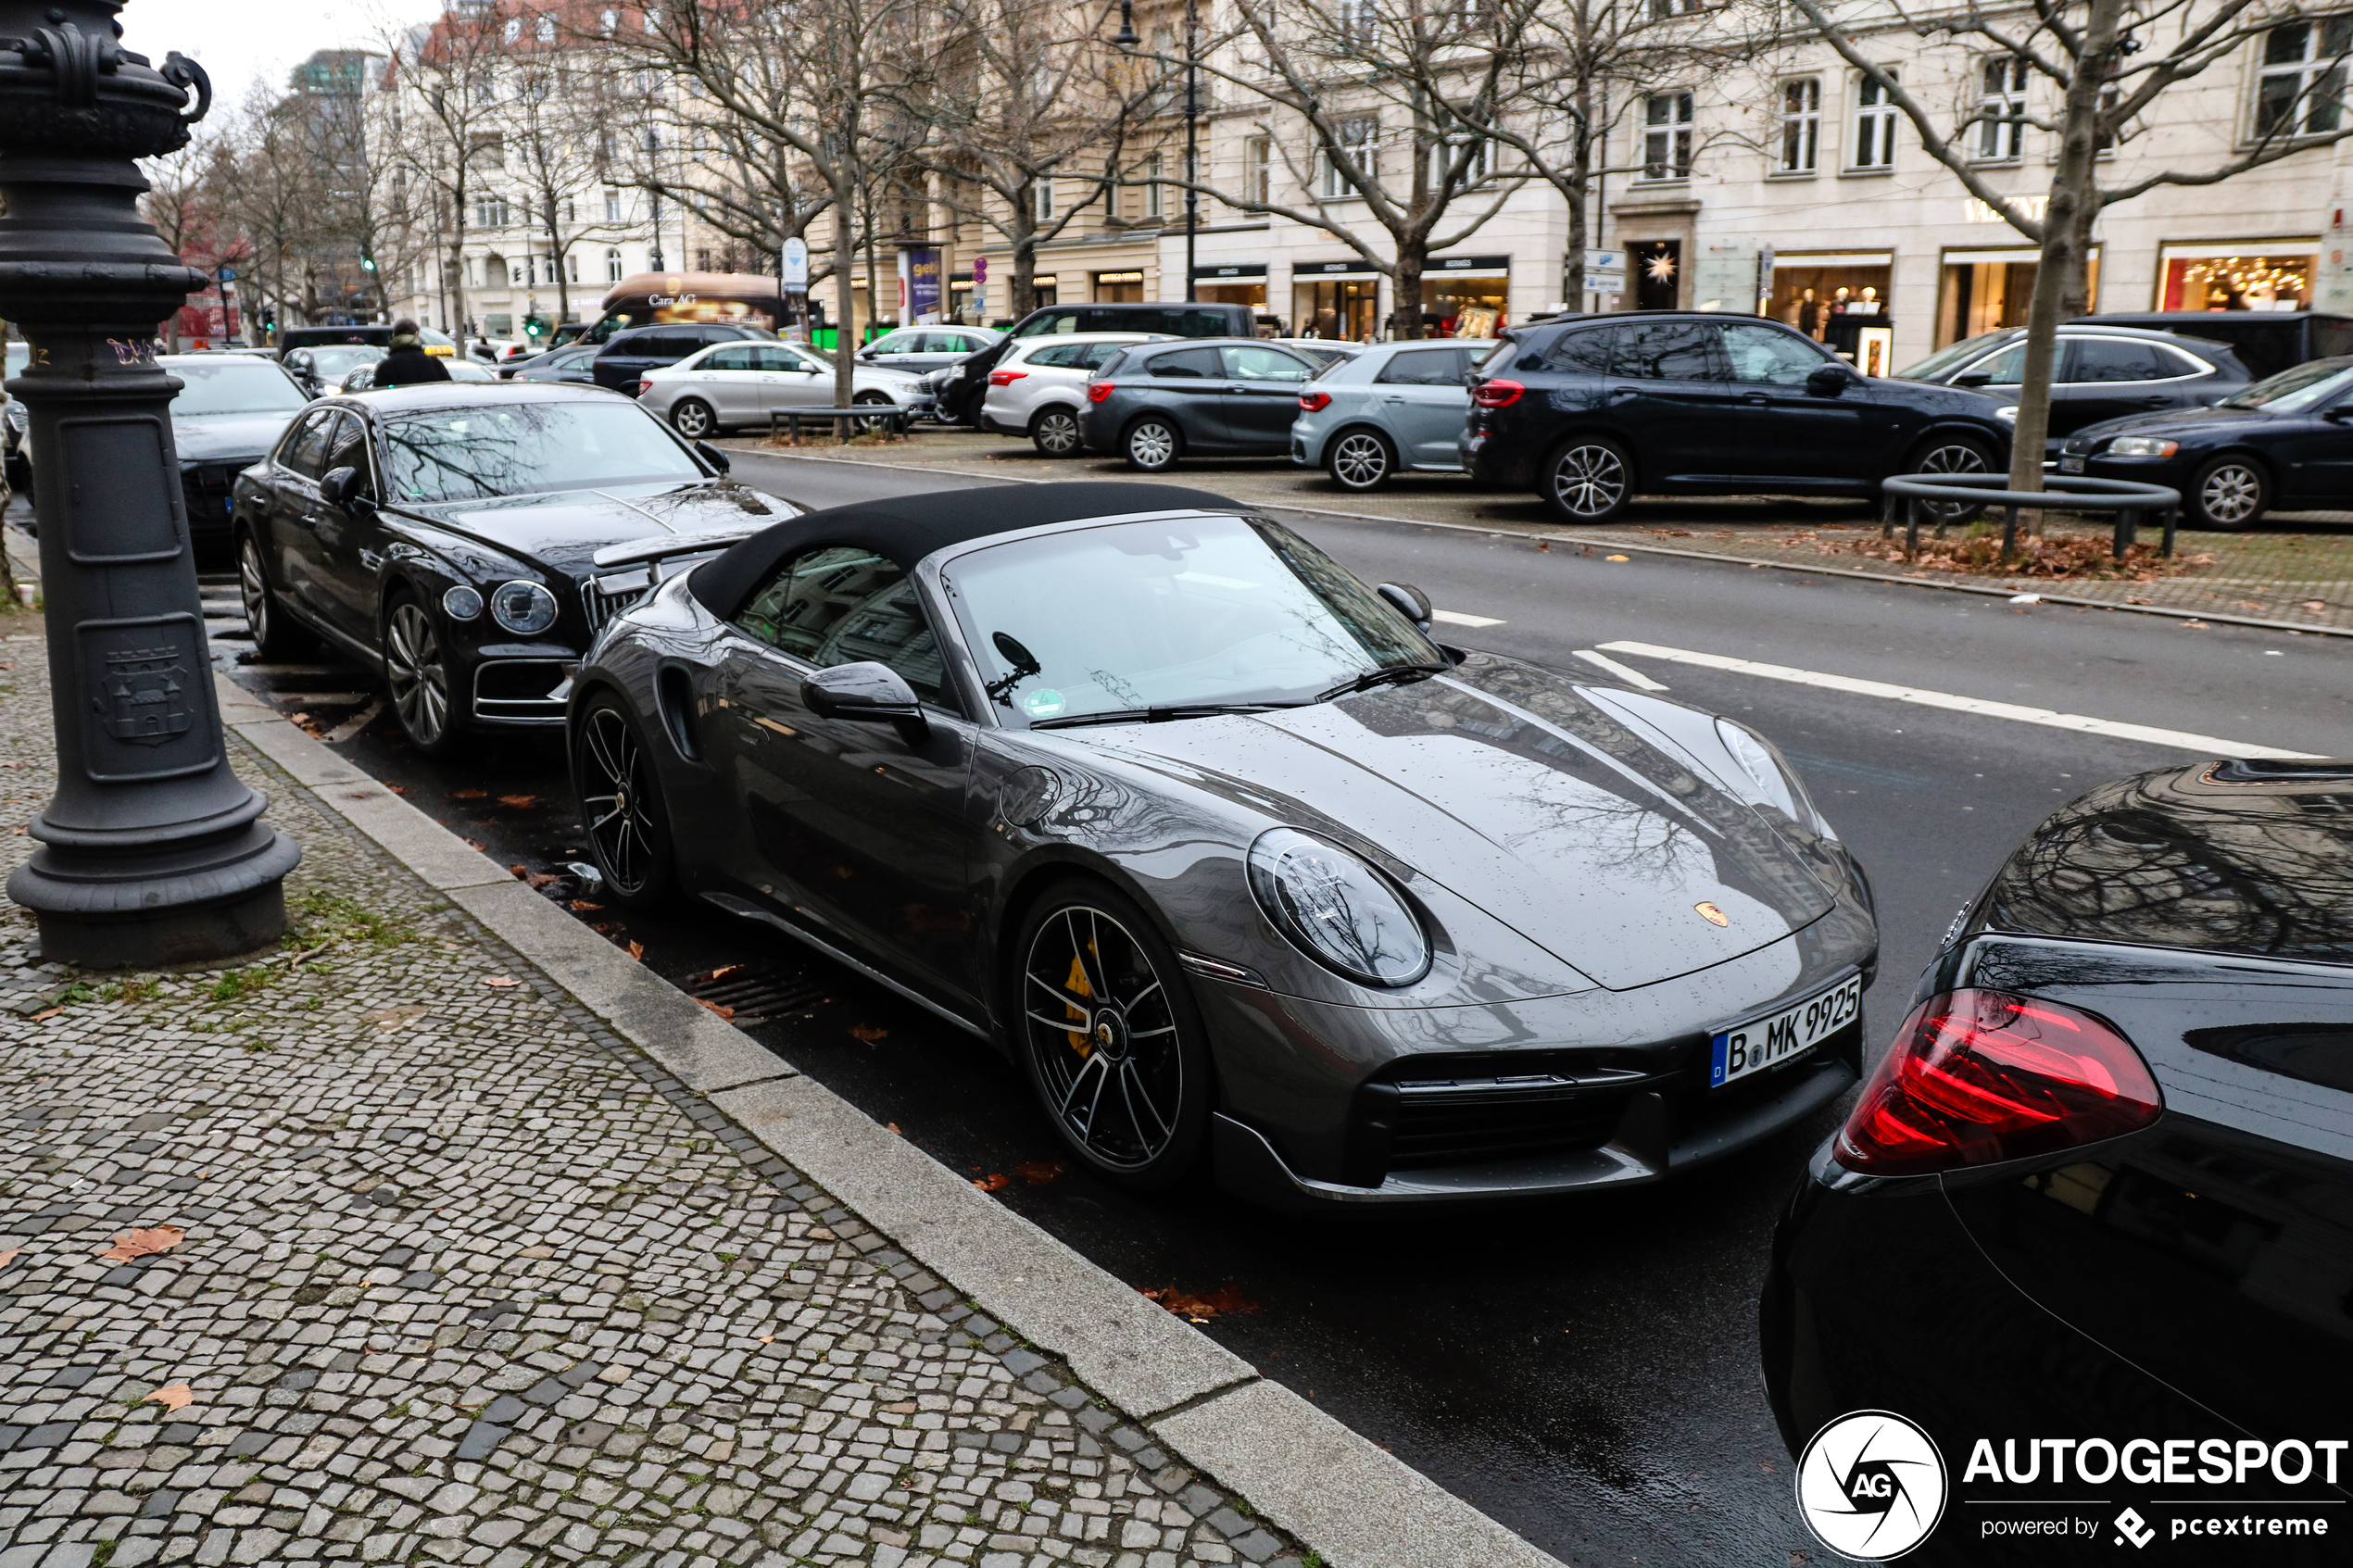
x=1591 y=411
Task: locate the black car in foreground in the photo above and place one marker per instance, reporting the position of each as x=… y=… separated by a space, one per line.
x=1154 y=403
x=959 y=387
x=2103 y=372
x=2283 y=444
x=1226 y=854
x=470 y=540
x=2089 y=1228
x=1591 y=411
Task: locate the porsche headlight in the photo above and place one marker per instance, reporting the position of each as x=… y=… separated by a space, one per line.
x=1775 y=785
x=1337 y=908
x=524 y=608
x=2142 y=447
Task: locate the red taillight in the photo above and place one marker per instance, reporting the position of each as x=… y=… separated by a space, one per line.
x=644 y=387
x=1980 y=1077
x=1316 y=401
x=1098 y=390
x=1005 y=377
x=1497 y=394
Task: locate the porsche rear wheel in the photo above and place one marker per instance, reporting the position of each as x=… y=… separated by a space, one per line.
x=621 y=807
x=1110 y=1036
x=417 y=669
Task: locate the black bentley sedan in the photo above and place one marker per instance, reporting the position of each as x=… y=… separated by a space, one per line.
x=1593 y=411
x=2285 y=443
x=472 y=541
x=2100 y=1188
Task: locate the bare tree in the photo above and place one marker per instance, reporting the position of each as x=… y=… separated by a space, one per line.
x=552 y=155
x=451 y=73
x=2110 y=61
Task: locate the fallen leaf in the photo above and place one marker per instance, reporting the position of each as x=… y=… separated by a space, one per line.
x=1766 y=1468
x=767 y=1339
x=394 y=1017
x=17 y=832
x=520 y=802
x=1200 y=1309
x=2313 y=604
x=868 y=1033
x=398 y=789
x=478 y=845
x=726 y=1013
x=1037 y=1173
x=1613 y=557
x=2196 y=626
x=501 y=981
x=172 y=1396
x=140 y=1243
x=888 y=1126
x=722 y=971
x=996 y=1181
x=9 y=764
x=517 y=870
x=541 y=879
x=46 y=1013
x=468 y=794
x=9 y=1255
x=585 y=904
x=638 y=951
x=1543 y=544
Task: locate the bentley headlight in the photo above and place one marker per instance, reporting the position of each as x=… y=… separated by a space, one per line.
x=2142 y=447
x=1339 y=911
x=461 y=603
x=1775 y=785
x=524 y=608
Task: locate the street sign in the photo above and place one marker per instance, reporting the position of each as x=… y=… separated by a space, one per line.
x=794 y=266
x=980 y=271
x=1604 y=271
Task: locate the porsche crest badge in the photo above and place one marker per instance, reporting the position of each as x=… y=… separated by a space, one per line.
x=1711 y=914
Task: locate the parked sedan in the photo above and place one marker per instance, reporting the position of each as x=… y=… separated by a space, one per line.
x=2101 y=373
x=325 y=366
x=916 y=350
x=1223 y=397
x=623 y=359
x=569 y=364
x=363 y=378
x=1040 y=386
x=1228 y=855
x=737 y=384
x=2285 y=442
x=1592 y=411
x=1394 y=406
x=2101 y=1185
x=470 y=541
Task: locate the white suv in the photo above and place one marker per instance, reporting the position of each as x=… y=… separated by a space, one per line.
x=1037 y=388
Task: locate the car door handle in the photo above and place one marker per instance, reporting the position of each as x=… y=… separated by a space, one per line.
x=1242 y=390
x=1625 y=392
x=1758 y=398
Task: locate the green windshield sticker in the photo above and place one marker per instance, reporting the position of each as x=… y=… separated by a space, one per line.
x=1043 y=703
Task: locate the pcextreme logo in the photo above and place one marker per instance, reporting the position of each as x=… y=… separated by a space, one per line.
x=1871 y=1486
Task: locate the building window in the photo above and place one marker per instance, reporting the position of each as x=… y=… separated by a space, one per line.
x=1667 y=136
x=1477 y=168
x=544 y=30
x=491 y=212
x=572 y=267
x=1801 y=125
x=1258 y=169
x=1359 y=19
x=2302 y=89
x=607 y=21
x=1156 y=195
x=2001 y=134
x=1359 y=144
x=1875 y=114
x=513 y=30
x=1041 y=200
x=612 y=266
x=1666 y=11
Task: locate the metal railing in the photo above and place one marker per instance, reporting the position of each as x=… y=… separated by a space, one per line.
x=1972 y=493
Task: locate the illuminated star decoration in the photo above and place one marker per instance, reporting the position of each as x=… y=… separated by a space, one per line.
x=1660 y=267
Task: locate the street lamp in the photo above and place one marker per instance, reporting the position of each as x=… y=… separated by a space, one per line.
x=152 y=850
x=1126 y=39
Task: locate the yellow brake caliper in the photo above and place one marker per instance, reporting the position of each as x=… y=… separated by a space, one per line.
x=1079 y=1039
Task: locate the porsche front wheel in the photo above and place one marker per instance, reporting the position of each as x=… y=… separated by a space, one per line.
x=1110 y=1036
x=621 y=806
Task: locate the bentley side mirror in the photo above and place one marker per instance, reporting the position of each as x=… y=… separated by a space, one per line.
x=1829 y=381
x=1409 y=601
x=344 y=487
x=865 y=691
x=712 y=455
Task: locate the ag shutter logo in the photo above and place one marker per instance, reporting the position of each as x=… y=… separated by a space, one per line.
x=2131 y=1527
x=1871 y=1486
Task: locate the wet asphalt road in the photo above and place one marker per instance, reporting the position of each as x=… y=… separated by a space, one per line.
x=1584 y=1371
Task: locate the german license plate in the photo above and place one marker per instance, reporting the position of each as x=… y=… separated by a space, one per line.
x=2071 y=465
x=1784 y=1036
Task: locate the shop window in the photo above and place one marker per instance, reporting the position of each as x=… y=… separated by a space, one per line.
x=2301 y=92
x=1667 y=136
x=2001 y=131
x=1875 y=113
x=2249 y=280
x=1119 y=287
x=1801 y=125
x=1339 y=309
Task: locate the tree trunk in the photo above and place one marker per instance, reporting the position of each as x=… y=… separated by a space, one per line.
x=1406 y=315
x=2061 y=283
x=845 y=273
x=1023 y=289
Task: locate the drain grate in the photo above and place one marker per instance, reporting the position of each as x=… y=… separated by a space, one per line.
x=759 y=992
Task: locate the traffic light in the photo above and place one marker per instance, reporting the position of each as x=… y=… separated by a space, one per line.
x=367 y=262
x=533 y=326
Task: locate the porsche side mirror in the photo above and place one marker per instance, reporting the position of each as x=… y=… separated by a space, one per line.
x=1973 y=378
x=712 y=455
x=2341 y=414
x=343 y=487
x=1409 y=601
x=865 y=691
x=1829 y=381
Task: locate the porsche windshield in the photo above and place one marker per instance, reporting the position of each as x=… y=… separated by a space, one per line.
x=482 y=451
x=1190 y=612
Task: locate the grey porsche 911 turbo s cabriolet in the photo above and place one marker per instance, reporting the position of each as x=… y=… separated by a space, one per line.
x=1227 y=852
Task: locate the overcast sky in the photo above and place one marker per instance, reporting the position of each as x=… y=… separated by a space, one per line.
x=240 y=40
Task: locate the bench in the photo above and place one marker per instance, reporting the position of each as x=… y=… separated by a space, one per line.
x=862 y=417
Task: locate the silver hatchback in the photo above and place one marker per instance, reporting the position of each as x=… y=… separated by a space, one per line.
x=1040 y=386
x=733 y=384
x=1394 y=406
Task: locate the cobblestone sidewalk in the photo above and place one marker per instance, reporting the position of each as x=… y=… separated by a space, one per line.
x=448 y=1273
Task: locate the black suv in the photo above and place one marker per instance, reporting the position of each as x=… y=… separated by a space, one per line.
x=627 y=356
x=1593 y=411
x=959 y=386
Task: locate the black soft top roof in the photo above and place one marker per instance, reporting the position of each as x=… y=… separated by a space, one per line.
x=907 y=528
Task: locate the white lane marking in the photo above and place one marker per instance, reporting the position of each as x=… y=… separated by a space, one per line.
x=1457 y=618
x=2154 y=736
x=1625 y=673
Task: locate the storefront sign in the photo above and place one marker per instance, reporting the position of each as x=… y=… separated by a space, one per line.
x=1359 y=269
x=1236 y=270
x=919 y=271
x=1498 y=264
x=793 y=266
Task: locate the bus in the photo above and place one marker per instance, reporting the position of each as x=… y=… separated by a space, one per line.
x=650 y=297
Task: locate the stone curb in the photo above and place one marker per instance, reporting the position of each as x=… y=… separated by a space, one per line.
x=1304 y=1472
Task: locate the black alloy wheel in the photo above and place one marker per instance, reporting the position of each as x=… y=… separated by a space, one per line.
x=1955 y=454
x=273 y=636
x=1111 y=1038
x=1589 y=479
x=1151 y=444
x=692 y=418
x=2231 y=493
x=1056 y=432
x=621 y=807
x=1360 y=459
x=417 y=669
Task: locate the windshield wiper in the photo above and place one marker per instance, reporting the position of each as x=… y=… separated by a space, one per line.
x=1381 y=676
x=1160 y=715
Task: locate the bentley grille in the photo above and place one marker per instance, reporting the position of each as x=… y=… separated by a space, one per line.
x=604 y=606
x=207 y=488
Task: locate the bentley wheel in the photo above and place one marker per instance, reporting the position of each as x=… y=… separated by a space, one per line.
x=1361 y=460
x=1589 y=480
x=1151 y=444
x=1955 y=454
x=692 y=418
x=417 y=672
x=1055 y=433
x=621 y=807
x=273 y=638
x=2228 y=494
x=1111 y=1038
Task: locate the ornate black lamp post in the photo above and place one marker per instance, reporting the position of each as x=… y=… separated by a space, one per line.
x=152 y=851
